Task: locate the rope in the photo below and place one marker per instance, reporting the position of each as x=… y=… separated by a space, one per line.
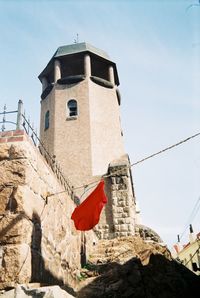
x=144 y=159
x=133 y=164
x=167 y=148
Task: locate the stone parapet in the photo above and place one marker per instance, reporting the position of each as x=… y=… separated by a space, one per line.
x=119 y=215
x=123 y=201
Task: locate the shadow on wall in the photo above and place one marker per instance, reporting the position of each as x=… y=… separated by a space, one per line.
x=161 y=278
x=8 y=227
x=108 y=206
x=38 y=271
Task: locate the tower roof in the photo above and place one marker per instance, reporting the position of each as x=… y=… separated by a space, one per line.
x=75 y=49
x=78 y=48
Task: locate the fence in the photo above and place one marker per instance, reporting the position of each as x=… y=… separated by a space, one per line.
x=23 y=123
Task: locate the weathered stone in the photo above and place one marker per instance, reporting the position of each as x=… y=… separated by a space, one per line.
x=133 y=268
x=15 y=228
x=23 y=291
x=36 y=230
x=125 y=214
x=123 y=234
x=14 y=257
x=121 y=221
x=118 y=215
x=4 y=152
x=5 y=194
x=124 y=227
x=122 y=203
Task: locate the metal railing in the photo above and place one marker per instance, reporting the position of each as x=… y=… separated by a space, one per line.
x=4 y=120
x=23 y=123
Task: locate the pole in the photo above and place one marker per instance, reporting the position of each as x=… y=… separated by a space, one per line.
x=19 y=115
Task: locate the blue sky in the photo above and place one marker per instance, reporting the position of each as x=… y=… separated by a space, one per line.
x=156 y=46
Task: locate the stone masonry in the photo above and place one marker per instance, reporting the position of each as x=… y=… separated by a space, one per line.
x=123 y=200
x=119 y=216
x=38 y=241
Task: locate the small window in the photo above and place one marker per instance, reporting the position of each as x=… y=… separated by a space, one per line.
x=72 y=108
x=46 y=124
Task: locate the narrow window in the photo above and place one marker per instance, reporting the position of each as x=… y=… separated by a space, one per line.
x=72 y=108
x=46 y=124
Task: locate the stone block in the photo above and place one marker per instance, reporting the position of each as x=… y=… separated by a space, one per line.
x=15 y=229
x=126 y=209
x=5 y=194
x=123 y=234
x=124 y=227
x=121 y=221
x=125 y=214
x=118 y=228
x=16 y=265
x=12 y=172
x=114 y=201
x=4 y=152
x=122 y=203
x=117 y=215
x=115 y=221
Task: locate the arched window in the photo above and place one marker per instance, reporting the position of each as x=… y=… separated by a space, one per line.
x=46 y=123
x=72 y=108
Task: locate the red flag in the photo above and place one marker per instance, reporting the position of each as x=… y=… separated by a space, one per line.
x=87 y=214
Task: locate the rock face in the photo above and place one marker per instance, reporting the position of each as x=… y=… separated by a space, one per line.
x=38 y=241
x=147 y=233
x=131 y=267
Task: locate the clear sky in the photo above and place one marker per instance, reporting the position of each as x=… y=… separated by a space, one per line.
x=156 y=46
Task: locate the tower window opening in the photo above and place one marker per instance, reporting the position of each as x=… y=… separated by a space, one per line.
x=99 y=68
x=72 y=108
x=46 y=124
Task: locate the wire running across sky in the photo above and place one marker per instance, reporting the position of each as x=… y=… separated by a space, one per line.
x=143 y=159
x=94 y=183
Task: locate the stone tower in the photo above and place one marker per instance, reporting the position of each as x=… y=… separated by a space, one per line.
x=80 y=117
x=80 y=125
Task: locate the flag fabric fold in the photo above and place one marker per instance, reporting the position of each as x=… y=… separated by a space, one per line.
x=87 y=214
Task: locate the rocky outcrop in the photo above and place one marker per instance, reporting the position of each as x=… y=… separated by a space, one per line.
x=147 y=233
x=131 y=267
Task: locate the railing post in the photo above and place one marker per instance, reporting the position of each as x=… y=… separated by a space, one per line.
x=19 y=114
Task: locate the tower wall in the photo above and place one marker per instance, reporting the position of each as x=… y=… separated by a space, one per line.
x=48 y=135
x=85 y=144
x=72 y=145
x=106 y=138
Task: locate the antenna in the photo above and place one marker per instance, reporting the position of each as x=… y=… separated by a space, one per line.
x=76 y=40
